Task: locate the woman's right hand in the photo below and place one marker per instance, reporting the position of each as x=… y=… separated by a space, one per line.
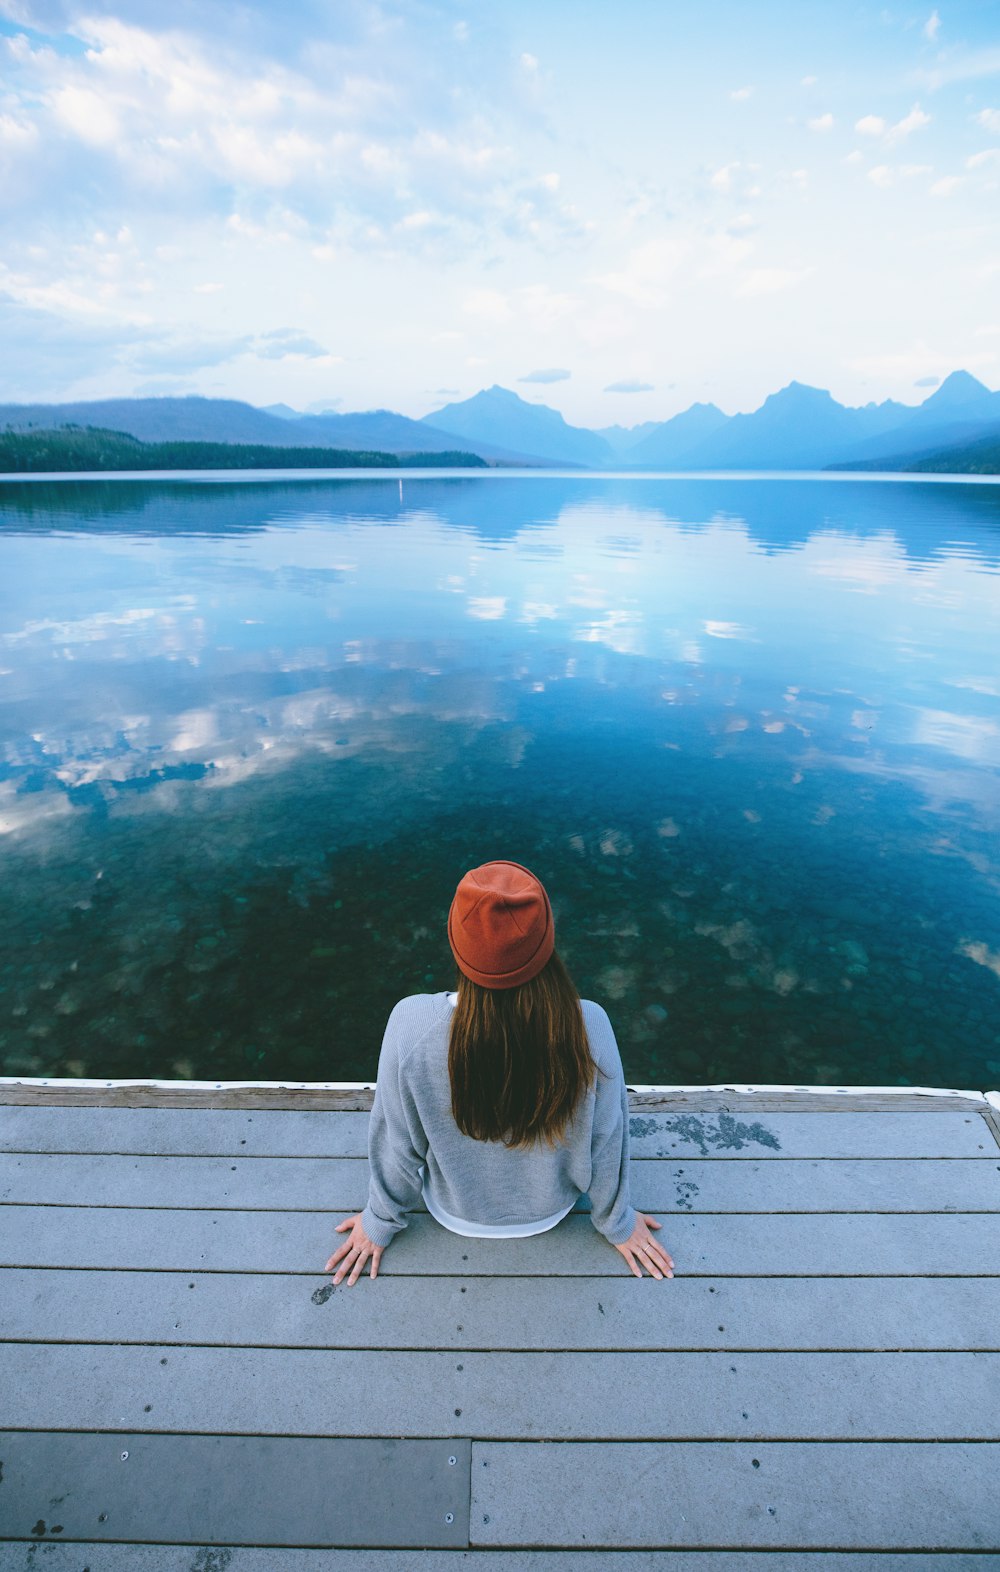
x=642 y=1250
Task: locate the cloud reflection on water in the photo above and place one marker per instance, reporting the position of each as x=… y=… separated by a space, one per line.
x=299 y=602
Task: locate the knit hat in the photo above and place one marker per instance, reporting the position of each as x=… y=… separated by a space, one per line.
x=500 y=925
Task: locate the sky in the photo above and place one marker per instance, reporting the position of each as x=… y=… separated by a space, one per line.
x=617 y=210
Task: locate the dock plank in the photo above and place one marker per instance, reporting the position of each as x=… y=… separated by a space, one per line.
x=256 y=1310
x=741 y=1134
x=796 y=1245
x=526 y=1396
x=905 y=1494
x=341 y=1184
x=349 y=1096
x=16 y=1557
x=231 y=1489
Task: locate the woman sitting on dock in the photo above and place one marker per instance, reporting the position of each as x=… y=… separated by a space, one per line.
x=502 y=1103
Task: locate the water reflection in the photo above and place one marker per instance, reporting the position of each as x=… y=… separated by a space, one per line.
x=748 y=731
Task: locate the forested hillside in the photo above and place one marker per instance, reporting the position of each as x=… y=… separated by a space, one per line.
x=73 y=449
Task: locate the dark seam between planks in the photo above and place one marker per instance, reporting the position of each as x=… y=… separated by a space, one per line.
x=496 y=1439
x=655 y=1211
x=469 y=1348
x=461 y=1277
x=483 y=1550
x=635 y=1157
x=492 y=1348
x=505 y=1547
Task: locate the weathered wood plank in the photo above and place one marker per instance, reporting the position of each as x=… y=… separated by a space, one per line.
x=341 y=1183
x=244 y=1310
x=849 y=1495
x=796 y=1245
x=186 y=1558
x=314 y=1096
x=741 y=1134
x=32 y=1092
x=523 y=1396
x=232 y=1489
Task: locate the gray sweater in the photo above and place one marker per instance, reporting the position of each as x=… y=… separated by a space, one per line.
x=483 y=1181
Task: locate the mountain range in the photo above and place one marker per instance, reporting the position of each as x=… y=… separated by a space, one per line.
x=797 y=428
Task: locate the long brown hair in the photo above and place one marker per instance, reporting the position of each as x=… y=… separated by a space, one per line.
x=518 y=1058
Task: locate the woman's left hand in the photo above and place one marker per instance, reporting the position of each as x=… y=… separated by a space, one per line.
x=354 y=1252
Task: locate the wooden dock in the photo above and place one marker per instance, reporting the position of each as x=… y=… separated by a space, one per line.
x=183 y=1390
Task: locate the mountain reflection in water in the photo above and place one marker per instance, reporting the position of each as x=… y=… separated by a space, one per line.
x=747 y=730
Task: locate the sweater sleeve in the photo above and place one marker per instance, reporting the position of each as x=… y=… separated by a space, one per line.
x=397 y=1145
x=612 y=1213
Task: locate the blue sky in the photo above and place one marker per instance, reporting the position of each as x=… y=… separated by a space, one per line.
x=617 y=210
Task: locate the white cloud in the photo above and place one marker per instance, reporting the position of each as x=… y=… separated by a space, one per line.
x=726 y=251
x=875 y=125
x=989 y=155
x=966 y=736
x=554 y=374
x=932 y=27
x=87 y=115
x=648 y=271
x=489 y=305
x=966 y=65
x=542 y=308
x=727 y=630
x=486 y=608
x=771 y=280
x=739 y=95
x=976 y=950
x=536 y=305
x=946 y=185
x=17 y=133
x=282 y=342
x=903 y=365
x=821 y=123
x=880 y=175
x=809 y=81
x=629 y=385
x=914 y=121
x=989 y=119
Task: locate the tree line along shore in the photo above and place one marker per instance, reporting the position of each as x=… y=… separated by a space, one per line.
x=89 y=448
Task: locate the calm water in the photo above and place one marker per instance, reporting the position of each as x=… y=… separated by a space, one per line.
x=747 y=731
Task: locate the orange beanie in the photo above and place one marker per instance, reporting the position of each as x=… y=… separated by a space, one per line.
x=500 y=925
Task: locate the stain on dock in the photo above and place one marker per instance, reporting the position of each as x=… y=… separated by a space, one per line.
x=724 y=1133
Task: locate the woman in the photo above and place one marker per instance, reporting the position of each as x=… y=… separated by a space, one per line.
x=504 y=1102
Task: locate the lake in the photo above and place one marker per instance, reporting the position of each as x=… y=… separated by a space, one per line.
x=746 y=729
